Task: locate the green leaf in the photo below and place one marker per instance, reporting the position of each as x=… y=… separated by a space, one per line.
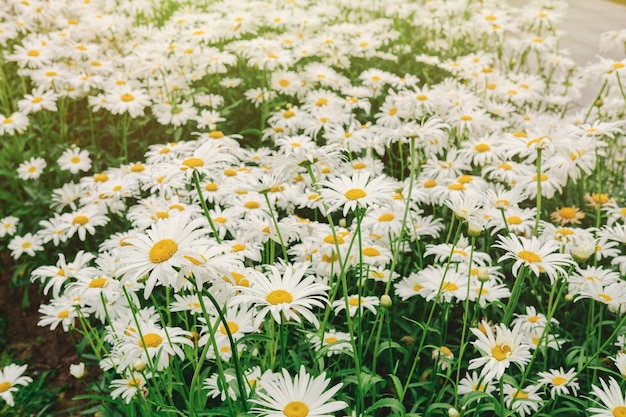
x=391 y=403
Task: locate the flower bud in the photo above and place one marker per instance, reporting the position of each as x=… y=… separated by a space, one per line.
x=342 y=222
x=77 y=370
x=583 y=251
x=385 y=301
x=453 y=412
x=483 y=274
x=139 y=366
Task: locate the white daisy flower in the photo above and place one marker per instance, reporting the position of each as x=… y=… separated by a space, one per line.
x=356 y=192
x=10 y=377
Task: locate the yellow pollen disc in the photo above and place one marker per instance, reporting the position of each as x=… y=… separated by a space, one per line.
x=459 y=252
x=482 y=147
x=330 y=339
x=600 y=198
x=164 y=151
x=514 y=220
x=607 y=298
x=387 y=217
x=354 y=301
x=422 y=97
x=75 y=159
x=117 y=188
x=251 y=205
x=430 y=183
x=328 y=259
x=80 y=220
x=162 y=251
x=296 y=409
x=4 y=386
x=567 y=213
x=232 y=326
x=533 y=319
x=279 y=297
x=100 y=178
x=331 y=240
x=543 y=177
x=467 y=118
x=417 y=287
x=211 y=187
x=355 y=194
x=529 y=256
x=501 y=352
x=26 y=245
x=558 y=380
x=137 y=168
x=126 y=97
x=503 y=203
x=446 y=351
x=520 y=395
x=162 y=215
x=449 y=286
x=564 y=232
x=150 y=340
x=193 y=163
x=238 y=247
x=33 y=53
x=623 y=211
x=98 y=282
x=177 y=207
x=288 y=114
x=321 y=102
x=465 y=179
x=617 y=65
x=230 y=172
x=393 y=111
x=505 y=166
x=371 y=252
x=359 y=165
x=216 y=134
x=36 y=100
x=32 y=168
x=63 y=314
x=457 y=186
x=133 y=382
x=619 y=411
x=377 y=275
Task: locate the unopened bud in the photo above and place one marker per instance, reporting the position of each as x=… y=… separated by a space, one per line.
x=483 y=274
x=453 y=412
x=385 y=301
x=583 y=251
x=77 y=370
x=139 y=366
x=569 y=297
x=342 y=222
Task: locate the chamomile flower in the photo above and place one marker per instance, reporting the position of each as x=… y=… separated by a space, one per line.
x=499 y=350
x=539 y=256
x=128 y=387
x=304 y=395
x=559 y=382
x=155 y=345
x=522 y=401
x=168 y=244
x=12 y=376
x=356 y=192
x=355 y=302
x=286 y=296
x=27 y=244
x=31 y=169
x=611 y=398
x=75 y=160
x=334 y=341
x=8 y=225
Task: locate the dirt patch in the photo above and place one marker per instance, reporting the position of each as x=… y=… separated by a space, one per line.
x=44 y=351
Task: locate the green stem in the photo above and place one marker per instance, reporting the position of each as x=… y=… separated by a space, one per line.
x=205 y=209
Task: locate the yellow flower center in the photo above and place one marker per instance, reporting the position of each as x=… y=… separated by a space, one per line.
x=330 y=339
x=238 y=247
x=230 y=172
x=567 y=213
x=216 y=134
x=449 y=286
x=33 y=53
x=417 y=287
x=126 y=97
x=607 y=298
x=98 y=282
x=221 y=220
x=465 y=179
x=150 y=340
x=457 y=186
x=330 y=239
x=514 y=220
x=430 y=183
x=296 y=409
x=137 y=168
x=251 y=205
x=528 y=256
x=393 y=111
x=284 y=83
x=387 y=217
x=279 y=297
x=617 y=65
x=482 y=147
x=80 y=220
x=26 y=245
x=533 y=319
x=133 y=382
x=355 y=194
x=321 y=102
x=354 y=301
x=163 y=250
x=359 y=165
x=75 y=160
x=543 y=177
x=4 y=386
x=212 y=187
x=501 y=352
x=467 y=118
x=520 y=395
x=371 y=252
x=619 y=411
x=558 y=380
x=193 y=162
x=162 y=215
x=232 y=327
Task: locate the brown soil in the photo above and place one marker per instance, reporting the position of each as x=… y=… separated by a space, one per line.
x=43 y=350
